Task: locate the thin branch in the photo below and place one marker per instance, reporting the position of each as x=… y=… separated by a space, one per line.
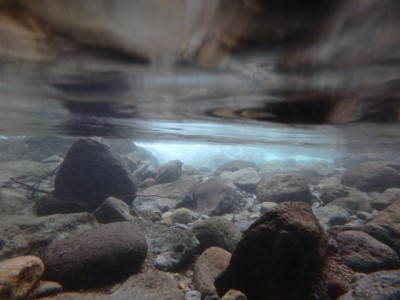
x=32 y=188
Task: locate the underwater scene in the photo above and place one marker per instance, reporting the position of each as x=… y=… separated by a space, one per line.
x=200 y=149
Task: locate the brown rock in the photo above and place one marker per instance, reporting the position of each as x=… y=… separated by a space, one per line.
x=234 y=295
x=279 y=256
x=19 y=276
x=211 y=263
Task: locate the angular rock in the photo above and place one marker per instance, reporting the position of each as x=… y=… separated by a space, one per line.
x=289 y=244
x=169 y=172
x=19 y=276
x=245 y=179
x=216 y=232
x=216 y=196
x=23 y=235
x=385 y=227
x=112 y=210
x=91 y=173
x=174 y=247
x=372 y=176
x=149 y=286
x=355 y=202
x=331 y=215
x=364 y=254
x=235 y=165
x=211 y=263
x=167 y=196
x=382 y=200
x=282 y=188
x=97 y=256
x=382 y=285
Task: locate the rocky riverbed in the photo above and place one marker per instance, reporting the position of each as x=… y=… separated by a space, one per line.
x=102 y=219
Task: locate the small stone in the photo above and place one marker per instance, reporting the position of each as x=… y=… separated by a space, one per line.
x=112 y=210
x=193 y=295
x=18 y=276
x=266 y=206
x=234 y=295
x=45 y=289
x=182 y=215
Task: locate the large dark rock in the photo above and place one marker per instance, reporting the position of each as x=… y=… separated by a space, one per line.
x=362 y=253
x=216 y=196
x=216 y=232
x=282 y=188
x=169 y=172
x=385 y=227
x=91 y=172
x=279 y=255
x=97 y=256
x=383 y=285
x=372 y=176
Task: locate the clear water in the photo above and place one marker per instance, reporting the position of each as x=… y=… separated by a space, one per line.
x=312 y=93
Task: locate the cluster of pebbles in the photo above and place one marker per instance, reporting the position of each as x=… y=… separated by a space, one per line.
x=86 y=220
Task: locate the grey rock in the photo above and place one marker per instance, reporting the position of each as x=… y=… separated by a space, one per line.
x=217 y=196
x=150 y=285
x=50 y=205
x=45 y=289
x=362 y=253
x=332 y=215
x=174 y=247
x=112 y=210
x=382 y=200
x=97 y=256
x=211 y=263
x=169 y=172
x=286 y=238
x=91 y=173
x=266 y=206
x=167 y=196
x=355 y=202
x=193 y=295
x=216 y=232
x=14 y=202
x=280 y=188
x=385 y=227
x=372 y=176
x=329 y=193
x=382 y=285
x=245 y=179
x=235 y=165
x=23 y=235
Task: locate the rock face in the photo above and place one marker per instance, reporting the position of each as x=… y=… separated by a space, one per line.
x=216 y=196
x=279 y=255
x=112 y=210
x=385 y=227
x=211 y=263
x=19 y=276
x=149 y=286
x=217 y=232
x=364 y=254
x=235 y=165
x=169 y=172
x=282 y=188
x=383 y=285
x=372 y=176
x=91 y=172
x=97 y=256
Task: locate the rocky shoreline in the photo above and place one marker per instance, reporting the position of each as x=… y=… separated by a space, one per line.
x=90 y=219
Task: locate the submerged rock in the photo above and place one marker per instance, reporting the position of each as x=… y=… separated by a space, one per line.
x=150 y=285
x=245 y=179
x=383 y=285
x=19 y=276
x=211 y=263
x=97 y=256
x=216 y=232
x=372 y=176
x=235 y=165
x=354 y=202
x=112 y=210
x=217 y=196
x=282 y=188
x=382 y=200
x=169 y=172
x=91 y=172
x=362 y=253
x=279 y=256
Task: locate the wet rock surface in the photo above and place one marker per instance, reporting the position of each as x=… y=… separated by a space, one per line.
x=97 y=256
x=290 y=245
x=112 y=210
x=169 y=172
x=91 y=172
x=245 y=179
